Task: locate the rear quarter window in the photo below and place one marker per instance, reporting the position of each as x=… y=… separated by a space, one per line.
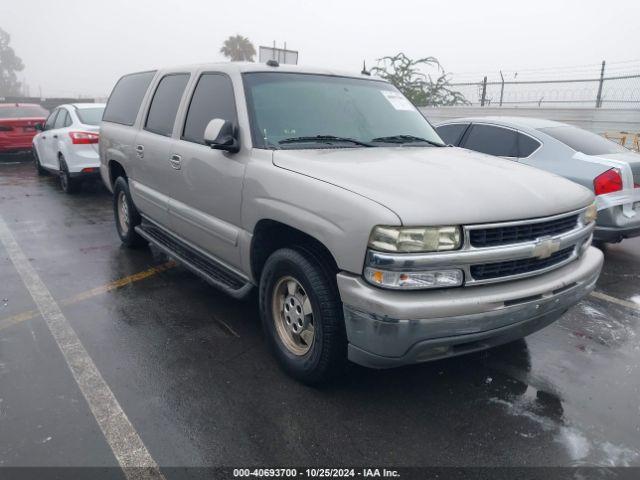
x=527 y=145
x=126 y=98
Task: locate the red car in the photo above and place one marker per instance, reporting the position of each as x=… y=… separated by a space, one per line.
x=18 y=125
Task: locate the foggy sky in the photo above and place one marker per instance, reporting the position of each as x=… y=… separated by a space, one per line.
x=73 y=47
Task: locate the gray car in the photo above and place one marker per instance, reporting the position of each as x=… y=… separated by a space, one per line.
x=611 y=171
x=328 y=192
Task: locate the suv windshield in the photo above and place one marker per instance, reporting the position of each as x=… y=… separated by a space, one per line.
x=90 y=116
x=291 y=110
x=28 y=111
x=583 y=141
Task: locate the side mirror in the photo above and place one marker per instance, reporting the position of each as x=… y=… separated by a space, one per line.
x=220 y=135
x=39 y=127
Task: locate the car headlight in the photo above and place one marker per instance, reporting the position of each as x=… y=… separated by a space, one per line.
x=414 y=280
x=415 y=239
x=590 y=214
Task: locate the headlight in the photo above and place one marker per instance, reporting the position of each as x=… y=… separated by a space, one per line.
x=414 y=280
x=590 y=214
x=415 y=239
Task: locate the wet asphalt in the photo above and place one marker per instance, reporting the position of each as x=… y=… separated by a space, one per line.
x=190 y=369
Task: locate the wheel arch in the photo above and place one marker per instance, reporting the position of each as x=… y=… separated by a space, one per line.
x=116 y=170
x=271 y=235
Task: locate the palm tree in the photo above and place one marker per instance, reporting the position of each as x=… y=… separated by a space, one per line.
x=238 y=49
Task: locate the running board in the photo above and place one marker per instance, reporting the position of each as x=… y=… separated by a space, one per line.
x=210 y=270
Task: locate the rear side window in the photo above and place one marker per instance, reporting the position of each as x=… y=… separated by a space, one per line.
x=61 y=120
x=50 y=121
x=451 y=134
x=583 y=141
x=126 y=98
x=493 y=140
x=165 y=103
x=526 y=145
x=212 y=98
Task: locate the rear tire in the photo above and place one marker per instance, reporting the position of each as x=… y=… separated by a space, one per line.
x=69 y=185
x=126 y=215
x=36 y=160
x=302 y=314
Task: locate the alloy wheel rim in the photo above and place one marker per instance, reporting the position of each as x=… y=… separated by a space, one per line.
x=123 y=213
x=293 y=316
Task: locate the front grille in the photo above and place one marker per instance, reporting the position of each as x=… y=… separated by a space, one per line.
x=493 y=236
x=516 y=267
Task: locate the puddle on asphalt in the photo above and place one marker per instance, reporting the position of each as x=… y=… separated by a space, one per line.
x=579 y=447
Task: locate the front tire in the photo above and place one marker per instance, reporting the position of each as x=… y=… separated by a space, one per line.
x=126 y=215
x=302 y=315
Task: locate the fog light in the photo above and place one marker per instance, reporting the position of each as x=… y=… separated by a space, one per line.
x=414 y=280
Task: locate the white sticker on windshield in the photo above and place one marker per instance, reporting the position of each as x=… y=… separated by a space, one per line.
x=397 y=100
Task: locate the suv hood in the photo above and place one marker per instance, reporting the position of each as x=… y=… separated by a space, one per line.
x=440 y=186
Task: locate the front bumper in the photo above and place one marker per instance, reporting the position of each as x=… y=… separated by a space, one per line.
x=389 y=328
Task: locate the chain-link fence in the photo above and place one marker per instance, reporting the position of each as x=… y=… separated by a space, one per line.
x=614 y=91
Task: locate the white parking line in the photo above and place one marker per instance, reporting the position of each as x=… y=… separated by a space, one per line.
x=617 y=301
x=127 y=446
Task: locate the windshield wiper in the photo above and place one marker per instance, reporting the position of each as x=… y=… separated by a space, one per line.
x=325 y=139
x=402 y=139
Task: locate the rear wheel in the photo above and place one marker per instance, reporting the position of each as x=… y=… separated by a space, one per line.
x=126 y=215
x=36 y=160
x=302 y=314
x=69 y=185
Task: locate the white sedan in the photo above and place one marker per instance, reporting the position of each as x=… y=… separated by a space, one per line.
x=67 y=144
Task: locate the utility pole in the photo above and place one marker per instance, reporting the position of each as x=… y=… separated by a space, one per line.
x=484 y=91
x=502 y=87
x=599 y=97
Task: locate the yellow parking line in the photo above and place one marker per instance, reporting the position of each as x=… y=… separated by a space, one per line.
x=136 y=277
x=617 y=301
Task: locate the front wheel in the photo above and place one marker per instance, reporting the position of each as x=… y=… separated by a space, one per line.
x=126 y=215
x=302 y=314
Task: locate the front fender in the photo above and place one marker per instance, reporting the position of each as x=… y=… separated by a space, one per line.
x=338 y=218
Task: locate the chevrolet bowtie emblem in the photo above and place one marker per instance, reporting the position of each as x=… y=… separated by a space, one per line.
x=545 y=247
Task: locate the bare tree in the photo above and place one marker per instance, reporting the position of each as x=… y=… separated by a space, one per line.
x=417 y=86
x=238 y=49
x=9 y=65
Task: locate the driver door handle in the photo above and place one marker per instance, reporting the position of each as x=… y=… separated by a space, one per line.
x=176 y=161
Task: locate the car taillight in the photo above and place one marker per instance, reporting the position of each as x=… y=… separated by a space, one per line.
x=607 y=182
x=83 y=138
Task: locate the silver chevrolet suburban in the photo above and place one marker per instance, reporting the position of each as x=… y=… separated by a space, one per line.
x=367 y=238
